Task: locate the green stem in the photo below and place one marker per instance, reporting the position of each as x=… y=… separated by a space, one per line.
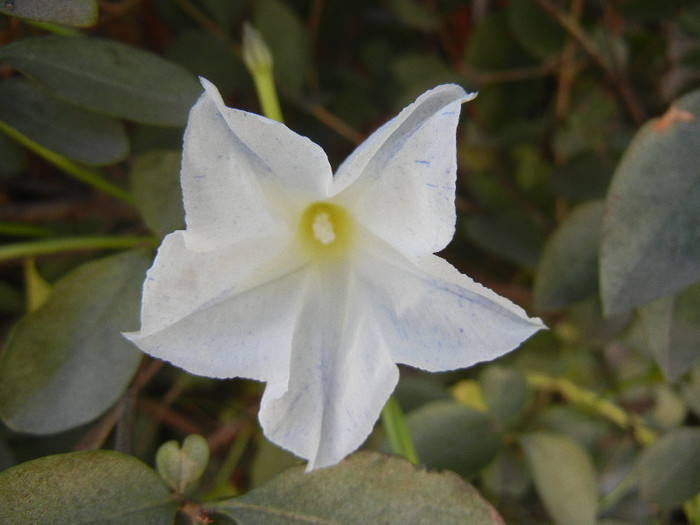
x=56 y=29
x=23 y=230
x=258 y=59
x=692 y=510
x=82 y=174
x=267 y=94
x=233 y=457
x=593 y=402
x=397 y=431
x=623 y=488
x=66 y=244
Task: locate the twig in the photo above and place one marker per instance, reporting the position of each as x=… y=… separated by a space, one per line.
x=125 y=424
x=161 y=413
x=618 y=81
x=336 y=124
x=98 y=434
x=514 y=74
x=567 y=70
x=199 y=16
x=70 y=244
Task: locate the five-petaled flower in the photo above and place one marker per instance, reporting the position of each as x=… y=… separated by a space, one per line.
x=318 y=284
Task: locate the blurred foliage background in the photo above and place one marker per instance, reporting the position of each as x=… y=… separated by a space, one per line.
x=594 y=421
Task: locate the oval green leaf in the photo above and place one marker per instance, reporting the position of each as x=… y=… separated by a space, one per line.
x=64 y=128
x=98 y=487
x=208 y=56
x=513 y=235
x=507 y=475
x=414 y=390
x=78 y=13
x=505 y=392
x=672 y=325
x=650 y=239
x=67 y=362
x=471 y=442
x=568 y=268
x=11 y=158
x=415 y=15
x=155 y=184
x=365 y=488
x=108 y=77
x=534 y=29
x=564 y=477
x=668 y=469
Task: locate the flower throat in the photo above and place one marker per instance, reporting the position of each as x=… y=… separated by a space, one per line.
x=325 y=229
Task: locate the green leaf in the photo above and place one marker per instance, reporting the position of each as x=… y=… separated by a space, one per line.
x=668 y=469
x=568 y=268
x=575 y=422
x=650 y=241
x=11 y=299
x=38 y=290
x=507 y=474
x=505 y=393
x=64 y=128
x=11 y=159
x=179 y=467
x=582 y=177
x=534 y=29
x=108 y=77
x=594 y=109
x=98 y=487
x=79 y=13
x=489 y=46
x=532 y=171
x=513 y=235
x=269 y=461
x=210 y=57
x=672 y=324
x=564 y=477
x=225 y=14
x=414 y=390
x=471 y=442
x=67 y=362
x=415 y=15
x=670 y=409
x=691 y=390
x=155 y=184
x=365 y=488
x=288 y=40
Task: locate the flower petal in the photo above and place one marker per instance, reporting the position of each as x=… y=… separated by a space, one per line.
x=217 y=314
x=400 y=183
x=181 y=281
x=436 y=318
x=341 y=375
x=241 y=171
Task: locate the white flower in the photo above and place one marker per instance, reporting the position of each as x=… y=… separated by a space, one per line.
x=318 y=284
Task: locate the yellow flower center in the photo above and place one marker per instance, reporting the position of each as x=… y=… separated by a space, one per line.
x=325 y=229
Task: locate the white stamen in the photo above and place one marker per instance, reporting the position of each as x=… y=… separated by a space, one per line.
x=323 y=228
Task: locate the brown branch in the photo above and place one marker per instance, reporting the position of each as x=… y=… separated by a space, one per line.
x=514 y=74
x=618 y=81
x=333 y=122
x=199 y=16
x=161 y=413
x=567 y=70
